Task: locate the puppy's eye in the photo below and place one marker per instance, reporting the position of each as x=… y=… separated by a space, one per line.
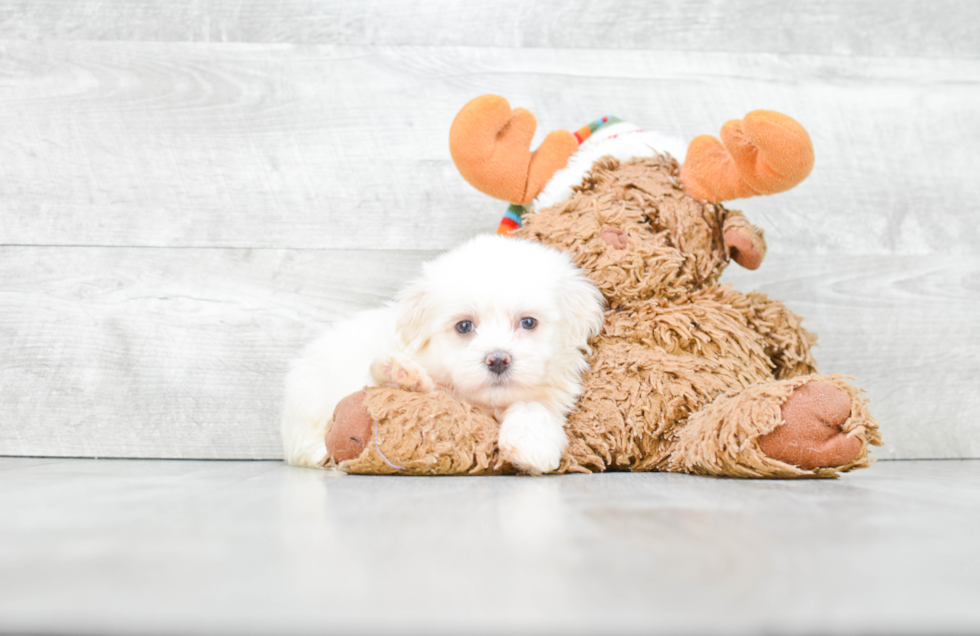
x=464 y=326
x=529 y=323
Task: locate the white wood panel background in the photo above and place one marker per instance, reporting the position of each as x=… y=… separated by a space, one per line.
x=943 y=28
x=189 y=190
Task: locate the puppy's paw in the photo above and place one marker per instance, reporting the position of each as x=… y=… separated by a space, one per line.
x=401 y=372
x=532 y=438
x=532 y=458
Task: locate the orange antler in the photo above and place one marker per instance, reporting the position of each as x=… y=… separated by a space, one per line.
x=491 y=147
x=765 y=153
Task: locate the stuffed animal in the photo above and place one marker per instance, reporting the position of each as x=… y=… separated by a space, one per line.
x=686 y=375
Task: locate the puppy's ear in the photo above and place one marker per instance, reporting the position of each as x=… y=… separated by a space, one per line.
x=583 y=304
x=410 y=317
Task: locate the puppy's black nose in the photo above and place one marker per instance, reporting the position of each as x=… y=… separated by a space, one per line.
x=498 y=361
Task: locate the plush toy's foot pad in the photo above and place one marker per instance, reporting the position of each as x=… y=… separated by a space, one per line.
x=351 y=428
x=743 y=250
x=811 y=436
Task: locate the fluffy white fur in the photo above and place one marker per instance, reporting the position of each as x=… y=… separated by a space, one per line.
x=494 y=283
x=621 y=140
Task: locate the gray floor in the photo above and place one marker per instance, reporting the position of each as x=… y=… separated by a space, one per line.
x=121 y=546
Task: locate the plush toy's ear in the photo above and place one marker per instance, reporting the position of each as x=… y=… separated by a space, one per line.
x=764 y=153
x=491 y=147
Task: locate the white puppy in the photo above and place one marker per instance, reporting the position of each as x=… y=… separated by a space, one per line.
x=500 y=323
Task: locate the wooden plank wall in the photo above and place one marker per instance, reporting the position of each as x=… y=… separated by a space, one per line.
x=190 y=190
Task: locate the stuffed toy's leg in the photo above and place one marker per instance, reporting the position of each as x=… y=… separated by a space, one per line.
x=636 y=398
x=787 y=343
x=778 y=332
x=387 y=431
x=809 y=426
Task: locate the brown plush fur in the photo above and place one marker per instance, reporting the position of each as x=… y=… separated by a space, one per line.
x=686 y=375
x=722 y=438
x=426 y=434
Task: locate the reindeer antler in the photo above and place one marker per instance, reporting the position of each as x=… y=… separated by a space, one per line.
x=491 y=147
x=765 y=153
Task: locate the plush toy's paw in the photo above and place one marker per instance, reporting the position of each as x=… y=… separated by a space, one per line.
x=401 y=372
x=743 y=249
x=351 y=429
x=491 y=147
x=532 y=438
x=811 y=436
x=746 y=243
x=764 y=153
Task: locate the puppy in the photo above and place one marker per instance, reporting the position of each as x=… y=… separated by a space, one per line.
x=500 y=323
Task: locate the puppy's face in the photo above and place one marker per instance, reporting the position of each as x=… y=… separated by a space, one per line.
x=499 y=321
x=493 y=354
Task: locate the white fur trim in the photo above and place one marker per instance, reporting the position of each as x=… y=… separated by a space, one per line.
x=622 y=141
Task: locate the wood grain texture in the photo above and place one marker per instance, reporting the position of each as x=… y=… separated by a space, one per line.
x=344 y=147
x=189 y=189
x=902 y=28
x=140 y=352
